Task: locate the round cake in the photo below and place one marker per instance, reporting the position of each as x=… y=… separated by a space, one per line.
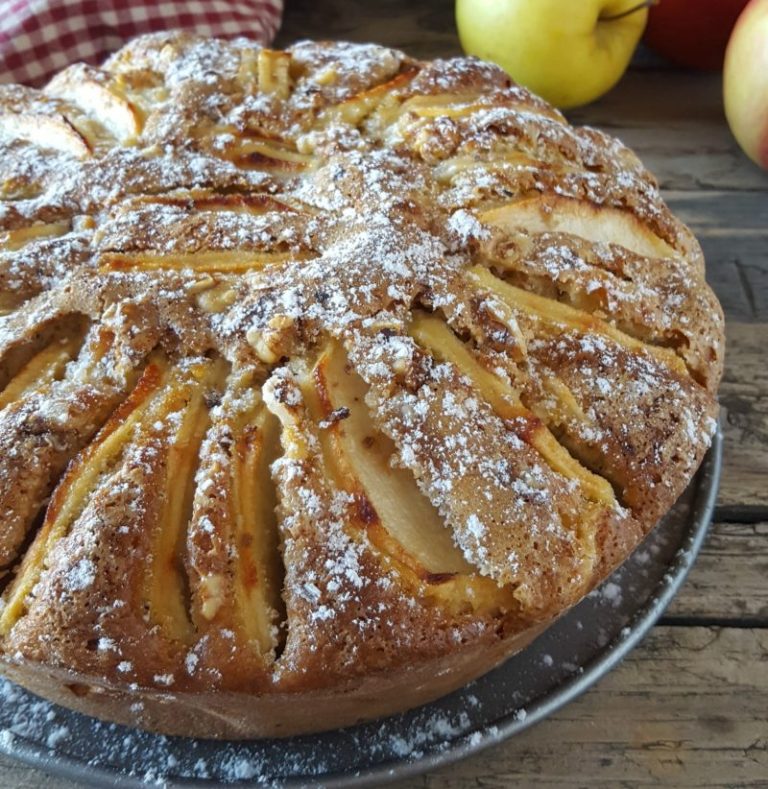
x=330 y=377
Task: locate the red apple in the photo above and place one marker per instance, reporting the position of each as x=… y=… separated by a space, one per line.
x=692 y=33
x=745 y=82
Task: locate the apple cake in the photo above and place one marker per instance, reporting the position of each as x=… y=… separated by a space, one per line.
x=330 y=377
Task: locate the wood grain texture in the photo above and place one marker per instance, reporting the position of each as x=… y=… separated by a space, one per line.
x=689 y=706
x=674 y=121
x=19 y=776
x=727 y=584
x=744 y=401
x=732 y=228
x=424 y=29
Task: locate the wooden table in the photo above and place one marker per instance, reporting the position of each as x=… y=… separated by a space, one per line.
x=689 y=707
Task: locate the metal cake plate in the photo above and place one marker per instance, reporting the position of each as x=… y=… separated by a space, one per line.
x=561 y=664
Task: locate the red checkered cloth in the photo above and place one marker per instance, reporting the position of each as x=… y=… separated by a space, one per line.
x=40 y=37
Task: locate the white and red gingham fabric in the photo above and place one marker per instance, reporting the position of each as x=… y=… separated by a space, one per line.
x=40 y=37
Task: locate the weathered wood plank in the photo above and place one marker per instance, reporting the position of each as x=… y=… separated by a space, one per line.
x=728 y=581
x=675 y=123
x=726 y=277
x=689 y=707
x=744 y=400
x=425 y=29
x=736 y=215
x=19 y=776
x=737 y=270
x=732 y=228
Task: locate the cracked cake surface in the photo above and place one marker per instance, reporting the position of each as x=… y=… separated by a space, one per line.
x=329 y=378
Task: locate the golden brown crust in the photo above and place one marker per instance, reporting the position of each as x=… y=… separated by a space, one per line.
x=245 y=715
x=345 y=374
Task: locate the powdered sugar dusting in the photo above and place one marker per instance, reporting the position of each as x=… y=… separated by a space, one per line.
x=465 y=719
x=264 y=210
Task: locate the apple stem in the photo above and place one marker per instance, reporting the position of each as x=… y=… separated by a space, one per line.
x=638 y=7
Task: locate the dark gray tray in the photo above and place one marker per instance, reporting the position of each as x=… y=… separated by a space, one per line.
x=561 y=664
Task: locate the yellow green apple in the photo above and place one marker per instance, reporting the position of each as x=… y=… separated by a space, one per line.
x=570 y=52
x=745 y=81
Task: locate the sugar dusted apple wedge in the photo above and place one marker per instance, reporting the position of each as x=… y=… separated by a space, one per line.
x=211 y=262
x=177 y=419
x=434 y=335
x=362 y=460
x=541 y=213
x=395 y=515
x=233 y=552
x=12 y=240
x=99 y=100
x=554 y=313
x=72 y=376
x=52 y=133
x=45 y=366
